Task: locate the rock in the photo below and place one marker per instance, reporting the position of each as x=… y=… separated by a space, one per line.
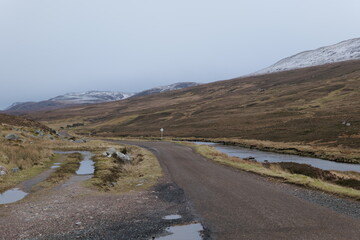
x=39 y=133
x=12 y=137
x=124 y=158
x=3 y=171
x=80 y=141
x=110 y=151
x=14 y=170
x=78 y=223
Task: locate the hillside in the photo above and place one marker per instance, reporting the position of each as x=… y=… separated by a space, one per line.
x=318 y=104
x=343 y=51
x=21 y=122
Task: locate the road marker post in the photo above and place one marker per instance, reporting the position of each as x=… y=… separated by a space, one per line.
x=161 y=133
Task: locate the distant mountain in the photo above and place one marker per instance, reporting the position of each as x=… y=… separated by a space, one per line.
x=343 y=51
x=69 y=99
x=90 y=97
x=167 y=88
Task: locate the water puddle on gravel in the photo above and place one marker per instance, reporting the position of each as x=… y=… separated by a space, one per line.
x=11 y=196
x=184 y=232
x=85 y=171
x=172 y=217
x=86 y=165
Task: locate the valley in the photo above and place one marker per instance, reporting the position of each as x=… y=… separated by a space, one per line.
x=94 y=165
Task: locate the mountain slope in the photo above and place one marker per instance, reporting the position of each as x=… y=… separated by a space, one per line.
x=309 y=104
x=22 y=122
x=343 y=51
x=167 y=88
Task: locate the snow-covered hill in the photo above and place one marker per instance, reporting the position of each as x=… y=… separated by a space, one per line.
x=69 y=99
x=91 y=97
x=167 y=88
x=343 y=51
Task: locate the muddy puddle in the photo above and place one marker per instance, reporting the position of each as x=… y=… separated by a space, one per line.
x=172 y=217
x=262 y=156
x=86 y=165
x=85 y=171
x=183 y=232
x=12 y=195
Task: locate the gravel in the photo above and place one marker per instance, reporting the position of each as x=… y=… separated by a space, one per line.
x=76 y=212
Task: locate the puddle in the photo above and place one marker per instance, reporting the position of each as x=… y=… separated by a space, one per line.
x=86 y=165
x=185 y=232
x=172 y=217
x=52 y=167
x=85 y=171
x=11 y=196
x=262 y=156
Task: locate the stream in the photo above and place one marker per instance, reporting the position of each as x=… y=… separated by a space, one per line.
x=262 y=156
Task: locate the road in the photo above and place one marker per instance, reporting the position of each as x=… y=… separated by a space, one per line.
x=240 y=205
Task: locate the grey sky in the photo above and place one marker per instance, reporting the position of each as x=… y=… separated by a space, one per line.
x=48 y=48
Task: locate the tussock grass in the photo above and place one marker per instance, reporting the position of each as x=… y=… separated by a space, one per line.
x=115 y=176
x=275 y=171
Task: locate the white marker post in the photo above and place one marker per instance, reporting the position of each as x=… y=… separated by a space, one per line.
x=161 y=133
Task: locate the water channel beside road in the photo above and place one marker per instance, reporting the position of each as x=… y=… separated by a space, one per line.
x=262 y=156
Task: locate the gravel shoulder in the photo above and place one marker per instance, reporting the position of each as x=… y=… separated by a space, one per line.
x=76 y=212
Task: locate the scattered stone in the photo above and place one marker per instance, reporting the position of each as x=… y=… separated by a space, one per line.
x=78 y=223
x=14 y=170
x=111 y=152
x=122 y=157
x=80 y=140
x=12 y=137
x=40 y=133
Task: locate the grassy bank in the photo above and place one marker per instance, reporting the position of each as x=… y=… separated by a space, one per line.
x=114 y=175
x=279 y=172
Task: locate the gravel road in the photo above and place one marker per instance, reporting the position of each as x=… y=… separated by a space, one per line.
x=240 y=205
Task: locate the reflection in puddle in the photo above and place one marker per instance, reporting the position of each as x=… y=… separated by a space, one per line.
x=172 y=217
x=86 y=165
x=185 y=232
x=12 y=195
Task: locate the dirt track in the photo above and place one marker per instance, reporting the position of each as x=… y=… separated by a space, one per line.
x=238 y=205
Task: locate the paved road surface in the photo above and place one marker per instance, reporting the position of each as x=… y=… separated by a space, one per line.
x=240 y=205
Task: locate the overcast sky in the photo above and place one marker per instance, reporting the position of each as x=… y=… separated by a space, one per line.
x=51 y=47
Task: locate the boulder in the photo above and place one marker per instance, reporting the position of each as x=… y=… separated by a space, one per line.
x=120 y=156
x=12 y=137
x=3 y=171
x=39 y=133
x=111 y=152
